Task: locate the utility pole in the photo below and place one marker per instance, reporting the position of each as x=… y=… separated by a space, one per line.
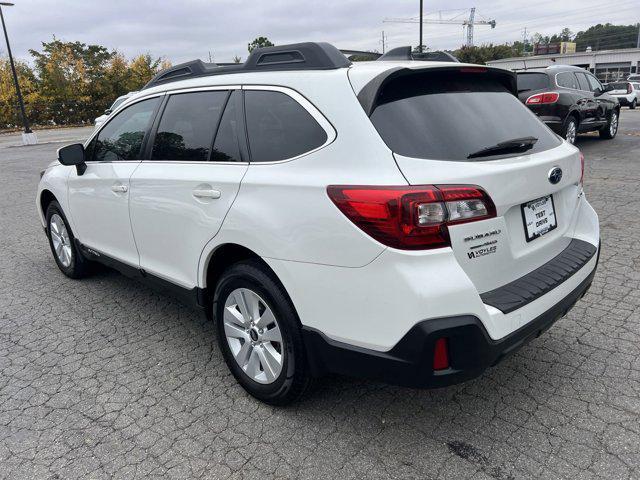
x=421 y=13
x=28 y=137
x=384 y=42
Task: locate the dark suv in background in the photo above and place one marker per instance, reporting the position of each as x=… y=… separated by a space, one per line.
x=570 y=100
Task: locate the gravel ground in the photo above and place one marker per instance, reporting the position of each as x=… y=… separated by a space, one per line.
x=105 y=378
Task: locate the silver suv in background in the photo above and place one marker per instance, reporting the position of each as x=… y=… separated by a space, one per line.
x=118 y=101
x=627 y=93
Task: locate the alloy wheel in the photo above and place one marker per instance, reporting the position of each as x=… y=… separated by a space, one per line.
x=571 y=132
x=253 y=335
x=60 y=239
x=613 y=126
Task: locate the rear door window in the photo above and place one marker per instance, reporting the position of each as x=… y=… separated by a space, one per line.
x=450 y=116
x=187 y=126
x=567 y=80
x=121 y=138
x=532 y=81
x=279 y=127
x=582 y=81
x=594 y=84
x=226 y=148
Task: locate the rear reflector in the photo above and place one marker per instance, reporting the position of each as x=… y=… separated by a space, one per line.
x=411 y=217
x=543 y=98
x=441 y=355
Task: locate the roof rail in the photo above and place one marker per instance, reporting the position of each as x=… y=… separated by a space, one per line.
x=296 y=56
x=405 y=53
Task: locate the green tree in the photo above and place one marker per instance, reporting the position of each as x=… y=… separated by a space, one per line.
x=259 y=42
x=607 y=37
x=484 y=53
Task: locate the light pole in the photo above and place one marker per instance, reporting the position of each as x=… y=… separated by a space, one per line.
x=28 y=137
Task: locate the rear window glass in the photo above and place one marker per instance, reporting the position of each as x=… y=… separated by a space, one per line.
x=567 y=80
x=450 y=116
x=278 y=127
x=532 y=81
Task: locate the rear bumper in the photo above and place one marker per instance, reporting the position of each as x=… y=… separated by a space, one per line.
x=409 y=362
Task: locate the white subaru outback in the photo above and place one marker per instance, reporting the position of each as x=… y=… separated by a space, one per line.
x=406 y=221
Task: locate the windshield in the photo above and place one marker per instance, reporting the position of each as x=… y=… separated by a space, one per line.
x=532 y=81
x=452 y=116
x=118 y=101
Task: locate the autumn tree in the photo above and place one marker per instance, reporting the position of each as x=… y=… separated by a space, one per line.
x=143 y=68
x=9 y=117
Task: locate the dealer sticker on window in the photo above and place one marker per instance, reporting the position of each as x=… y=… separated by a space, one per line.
x=539 y=217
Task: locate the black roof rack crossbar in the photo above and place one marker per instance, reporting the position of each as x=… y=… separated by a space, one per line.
x=405 y=53
x=297 y=56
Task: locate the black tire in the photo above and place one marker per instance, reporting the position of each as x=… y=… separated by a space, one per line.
x=79 y=266
x=633 y=104
x=607 y=132
x=570 y=129
x=294 y=376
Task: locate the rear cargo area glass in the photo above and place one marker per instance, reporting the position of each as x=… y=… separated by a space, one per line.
x=450 y=115
x=532 y=81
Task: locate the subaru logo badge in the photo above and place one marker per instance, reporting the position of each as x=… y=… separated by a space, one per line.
x=555 y=175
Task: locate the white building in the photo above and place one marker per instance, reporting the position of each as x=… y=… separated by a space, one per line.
x=608 y=65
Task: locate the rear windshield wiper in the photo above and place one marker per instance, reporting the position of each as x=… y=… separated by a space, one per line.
x=514 y=145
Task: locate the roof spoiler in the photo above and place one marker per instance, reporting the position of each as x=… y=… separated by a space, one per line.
x=296 y=56
x=405 y=53
x=370 y=93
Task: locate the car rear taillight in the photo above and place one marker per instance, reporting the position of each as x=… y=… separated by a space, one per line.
x=412 y=217
x=581 y=169
x=543 y=98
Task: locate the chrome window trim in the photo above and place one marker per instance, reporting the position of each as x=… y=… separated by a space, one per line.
x=113 y=114
x=295 y=95
x=309 y=107
x=210 y=88
x=555 y=79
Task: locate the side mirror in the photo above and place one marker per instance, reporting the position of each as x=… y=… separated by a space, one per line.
x=73 y=155
x=108 y=111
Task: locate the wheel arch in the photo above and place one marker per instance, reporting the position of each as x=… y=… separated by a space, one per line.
x=576 y=115
x=45 y=199
x=223 y=257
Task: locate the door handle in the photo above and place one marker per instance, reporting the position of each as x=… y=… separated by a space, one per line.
x=119 y=188
x=206 y=193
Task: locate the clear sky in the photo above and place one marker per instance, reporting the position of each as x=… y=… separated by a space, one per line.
x=187 y=29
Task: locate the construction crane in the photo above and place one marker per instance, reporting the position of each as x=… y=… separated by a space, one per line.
x=467 y=23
